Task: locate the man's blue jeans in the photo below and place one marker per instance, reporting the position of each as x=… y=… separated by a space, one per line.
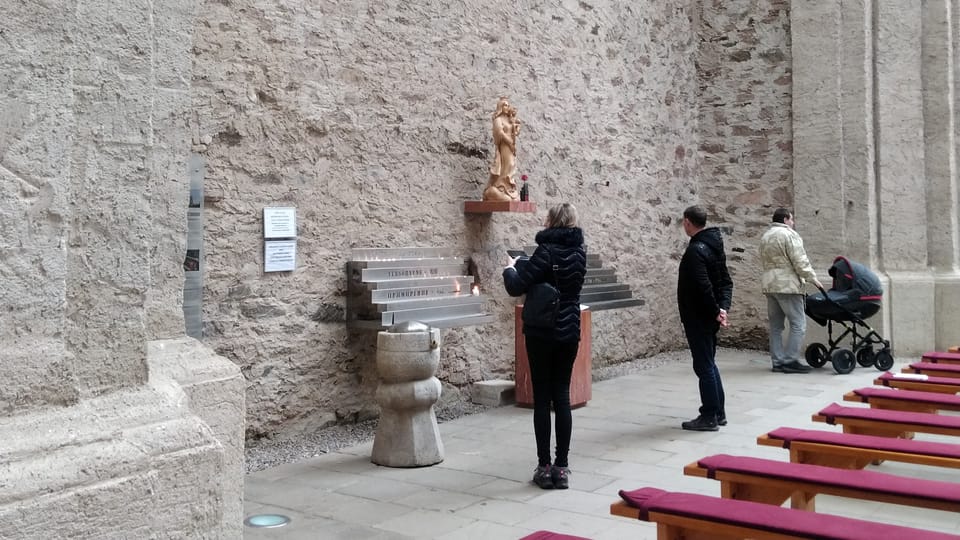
x=702 y=338
x=780 y=309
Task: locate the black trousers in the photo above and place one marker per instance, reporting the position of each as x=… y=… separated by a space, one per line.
x=702 y=338
x=551 y=366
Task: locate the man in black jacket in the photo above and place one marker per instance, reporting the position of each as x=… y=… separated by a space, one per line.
x=704 y=291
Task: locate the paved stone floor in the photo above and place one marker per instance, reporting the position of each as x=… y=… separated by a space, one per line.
x=628 y=436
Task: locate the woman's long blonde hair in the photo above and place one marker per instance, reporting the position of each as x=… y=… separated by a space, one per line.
x=562 y=215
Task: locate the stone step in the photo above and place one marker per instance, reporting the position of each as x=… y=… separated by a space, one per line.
x=601 y=272
x=427 y=314
x=604 y=287
x=463 y=282
x=615 y=304
x=597 y=279
x=407 y=263
x=592 y=298
x=430 y=302
x=393 y=273
x=494 y=393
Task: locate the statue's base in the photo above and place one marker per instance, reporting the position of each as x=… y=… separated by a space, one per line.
x=485 y=207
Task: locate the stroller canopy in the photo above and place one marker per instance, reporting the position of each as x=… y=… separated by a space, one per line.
x=848 y=275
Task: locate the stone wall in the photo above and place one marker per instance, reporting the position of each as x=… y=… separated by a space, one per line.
x=746 y=140
x=373 y=120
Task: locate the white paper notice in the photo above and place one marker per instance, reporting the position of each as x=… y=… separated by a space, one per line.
x=280 y=222
x=279 y=255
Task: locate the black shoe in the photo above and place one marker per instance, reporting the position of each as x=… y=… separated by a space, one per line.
x=795 y=367
x=701 y=423
x=722 y=419
x=560 y=477
x=777 y=369
x=542 y=477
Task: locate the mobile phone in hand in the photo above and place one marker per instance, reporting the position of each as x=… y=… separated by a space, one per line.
x=516 y=253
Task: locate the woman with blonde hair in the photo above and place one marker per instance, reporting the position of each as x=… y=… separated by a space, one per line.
x=561 y=260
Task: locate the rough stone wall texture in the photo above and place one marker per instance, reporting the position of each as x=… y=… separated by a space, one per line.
x=93 y=107
x=373 y=119
x=746 y=146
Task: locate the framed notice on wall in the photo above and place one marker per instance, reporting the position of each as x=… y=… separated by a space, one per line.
x=279 y=255
x=280 y=222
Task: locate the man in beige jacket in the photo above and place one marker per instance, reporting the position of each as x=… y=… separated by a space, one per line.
x=785 y=271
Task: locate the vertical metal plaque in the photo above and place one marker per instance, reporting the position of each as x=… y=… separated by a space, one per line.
x=193 y=262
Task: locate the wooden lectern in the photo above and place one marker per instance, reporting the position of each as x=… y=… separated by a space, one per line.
x=580 y=381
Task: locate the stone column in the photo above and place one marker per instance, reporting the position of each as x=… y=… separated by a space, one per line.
x=941 y=44
x=874 y=153
x=93 y=177
x=407 y=434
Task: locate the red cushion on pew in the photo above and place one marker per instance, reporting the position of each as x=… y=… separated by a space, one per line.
x=917 y=366
x=887 y=376
x=547 y=535
x=834 y=411
x=939 y=355
x=865 y=481
x=933 y=398
x=889 y=444
x=767 y=517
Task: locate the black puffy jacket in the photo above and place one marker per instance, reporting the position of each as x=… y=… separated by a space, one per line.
x=565 y=245
x=704 y=286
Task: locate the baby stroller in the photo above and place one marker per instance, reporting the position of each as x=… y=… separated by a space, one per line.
x=856 y=295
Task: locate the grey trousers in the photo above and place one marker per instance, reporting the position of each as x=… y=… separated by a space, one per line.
x=782 y=308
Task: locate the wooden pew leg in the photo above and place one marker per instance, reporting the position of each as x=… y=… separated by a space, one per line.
x=803 y=501
x=752 y=492
x=836 y=461
x=666 y=531
x=860 y=430
x=669 y=532
x=898 y=406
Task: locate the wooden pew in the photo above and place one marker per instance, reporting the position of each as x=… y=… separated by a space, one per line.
x=774 y=482
x=689 y=516
x=919 y=382
x=940 y=357
x=934 y=370
x=851 y=451
x=550 y=535
x=904 y=400
x=887 y=423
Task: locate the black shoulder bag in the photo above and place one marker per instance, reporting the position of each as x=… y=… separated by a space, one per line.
x=542 y=302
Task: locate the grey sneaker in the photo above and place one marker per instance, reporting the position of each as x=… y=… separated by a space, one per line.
x=542 y=477
x=560 y=476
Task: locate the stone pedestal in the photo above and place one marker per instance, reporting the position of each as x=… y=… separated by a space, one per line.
x=407 y=435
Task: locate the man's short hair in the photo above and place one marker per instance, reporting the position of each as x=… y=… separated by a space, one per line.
x=780 y=215
x=696 y=216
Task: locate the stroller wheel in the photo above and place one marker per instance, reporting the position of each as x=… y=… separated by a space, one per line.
x=884 y=360
x=843 y=361
x=816 y=355
x=865 y=356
